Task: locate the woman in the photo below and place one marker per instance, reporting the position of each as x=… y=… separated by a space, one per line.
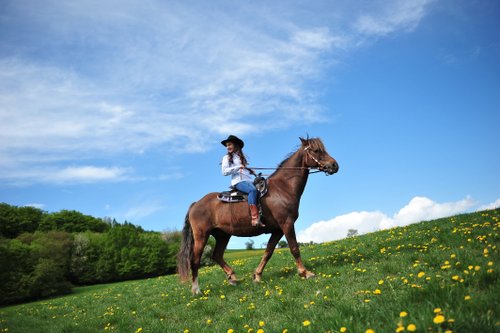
x=234 y=163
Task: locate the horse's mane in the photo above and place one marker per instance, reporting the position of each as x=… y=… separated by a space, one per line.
x=315 y=143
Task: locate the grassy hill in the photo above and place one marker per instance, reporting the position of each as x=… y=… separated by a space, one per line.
x=436 y=276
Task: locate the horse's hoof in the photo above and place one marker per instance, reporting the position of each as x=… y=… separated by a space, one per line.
x=307 y=275
x=257 y=278
x=232 y=280
x=196 y=291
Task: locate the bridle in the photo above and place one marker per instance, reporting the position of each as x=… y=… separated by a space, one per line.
x=320 y=165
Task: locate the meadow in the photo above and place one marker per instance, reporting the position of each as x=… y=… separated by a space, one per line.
x=434 y=276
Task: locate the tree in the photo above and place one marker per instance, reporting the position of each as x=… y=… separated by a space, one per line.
x=352 y=233
x=72 y=221
x=17 y=220
x=249 y=244
x=282 y=244
x=34 y=265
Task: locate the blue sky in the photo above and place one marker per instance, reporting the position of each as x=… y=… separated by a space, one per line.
x=117 y=108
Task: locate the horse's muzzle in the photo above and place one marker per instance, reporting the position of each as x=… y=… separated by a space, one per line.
x=330 y=168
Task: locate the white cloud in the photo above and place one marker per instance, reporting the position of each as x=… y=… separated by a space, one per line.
x=492 y=205
x=422 y=209
x=35 y=205
x=67 y=175
x=337 y=227
x=88 y=173
x=79 y=82
x=418 y=209
x=142 y=210
x=395 y=16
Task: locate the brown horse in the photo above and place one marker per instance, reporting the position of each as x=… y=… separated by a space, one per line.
x=280 y=209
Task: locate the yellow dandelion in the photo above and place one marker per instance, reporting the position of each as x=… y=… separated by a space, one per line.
x=403 y=314
x=411 y=328
x=421 y=274
x=230 y=330
x=260 y=330
x=209 y=321
x=222 y=296
x=377 y=292
x=343 y=329
x=381 y=282
x=139 y=330
x=467 y=298
x=400 y=329
x=369 y=331
x=306 y=323
x=261 y=323
x=438 y=319
x=437 y=310
x=285 y=330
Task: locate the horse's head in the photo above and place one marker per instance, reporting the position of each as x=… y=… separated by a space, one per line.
x=316 y=156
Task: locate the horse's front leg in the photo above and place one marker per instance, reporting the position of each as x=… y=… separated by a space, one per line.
x=294 y=249
x=271 y=245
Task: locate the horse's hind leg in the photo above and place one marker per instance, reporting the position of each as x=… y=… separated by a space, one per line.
x=199 y=244
x=221 y=241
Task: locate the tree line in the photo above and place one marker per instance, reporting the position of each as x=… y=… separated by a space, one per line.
x=44 y=254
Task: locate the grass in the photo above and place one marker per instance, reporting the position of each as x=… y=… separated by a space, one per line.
x=436 y=276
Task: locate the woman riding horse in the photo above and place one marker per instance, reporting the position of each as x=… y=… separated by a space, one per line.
x=280 y=210
x=235 y=165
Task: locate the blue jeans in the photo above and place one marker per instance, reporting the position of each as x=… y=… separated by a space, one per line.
x=250 y=189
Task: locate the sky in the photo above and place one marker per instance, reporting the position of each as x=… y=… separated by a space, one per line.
x=117 y=108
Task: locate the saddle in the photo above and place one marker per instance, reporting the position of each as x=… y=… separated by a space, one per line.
x=233 y=195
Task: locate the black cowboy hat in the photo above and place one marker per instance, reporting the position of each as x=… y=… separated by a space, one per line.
x=233 y=139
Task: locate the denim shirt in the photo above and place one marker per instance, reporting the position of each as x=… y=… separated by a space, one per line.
x=237 y=174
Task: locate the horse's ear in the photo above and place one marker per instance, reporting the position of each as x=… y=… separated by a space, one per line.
x=304 y=141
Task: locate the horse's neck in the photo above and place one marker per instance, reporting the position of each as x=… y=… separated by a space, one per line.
x=291 y=176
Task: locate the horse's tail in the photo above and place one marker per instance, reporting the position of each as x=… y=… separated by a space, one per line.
x=186 y=250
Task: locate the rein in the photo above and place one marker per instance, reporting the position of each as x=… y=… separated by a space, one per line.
x=306 y=149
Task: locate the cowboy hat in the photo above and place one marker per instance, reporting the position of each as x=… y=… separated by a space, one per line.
x=233 y=139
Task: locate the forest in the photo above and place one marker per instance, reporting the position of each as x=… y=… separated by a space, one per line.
x=44 y=254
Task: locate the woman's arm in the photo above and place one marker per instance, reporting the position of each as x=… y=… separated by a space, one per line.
x=229 y=170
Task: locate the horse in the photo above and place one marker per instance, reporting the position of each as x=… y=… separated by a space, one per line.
x=280 y=210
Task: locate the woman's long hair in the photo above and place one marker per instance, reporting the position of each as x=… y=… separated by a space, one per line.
x=239 y=151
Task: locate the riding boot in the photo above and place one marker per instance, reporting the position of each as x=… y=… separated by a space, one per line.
x=254 y=211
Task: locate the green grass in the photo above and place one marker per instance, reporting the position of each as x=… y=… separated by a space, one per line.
x=444 y=269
